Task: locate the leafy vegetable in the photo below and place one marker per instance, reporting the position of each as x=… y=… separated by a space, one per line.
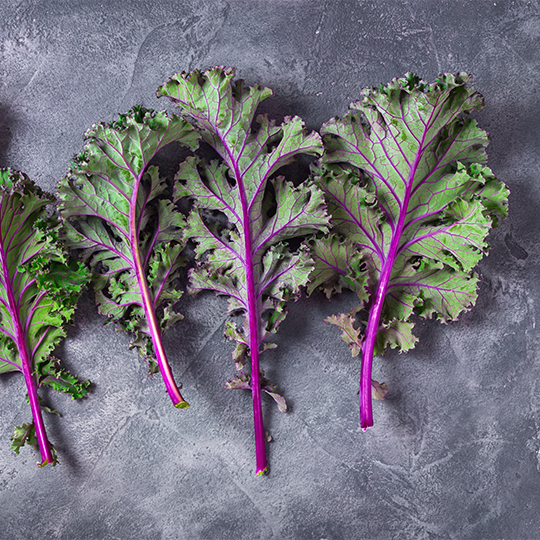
x=116 y=210
x=412 y=203
x=249 y=258
x=39 y=288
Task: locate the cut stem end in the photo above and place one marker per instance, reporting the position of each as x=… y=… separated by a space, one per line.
x=182 y=405
x=47 y=462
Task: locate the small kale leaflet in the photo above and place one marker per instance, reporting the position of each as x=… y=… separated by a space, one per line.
x=117 y=212
x=412 y=204
x=250 y=258
x=39 y=288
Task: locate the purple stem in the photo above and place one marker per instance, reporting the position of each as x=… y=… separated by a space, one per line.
x=254 y=339
x=252 y=311
x=149 y=309
x=260 y=443
x=26 y=365
x=366 y=411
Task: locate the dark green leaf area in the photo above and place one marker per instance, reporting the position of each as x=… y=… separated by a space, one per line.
x=406 y=184
x=118 y=212
x=39 y=289
x=40 y=285
x=240 y=352
x=60 y=379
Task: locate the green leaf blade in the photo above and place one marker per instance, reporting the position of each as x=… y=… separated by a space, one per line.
x=134 y=244
x=405 y=178
x=249 y=256
x=39 y=290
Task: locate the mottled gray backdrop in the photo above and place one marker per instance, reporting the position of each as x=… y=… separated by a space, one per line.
x=455 y=451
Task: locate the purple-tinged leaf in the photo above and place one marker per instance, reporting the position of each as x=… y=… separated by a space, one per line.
x=395 y=334
x=349 y=334
x=378 y=390
x=250 y=259
x=117 y=212
x=338 y=264
x=404 y=178
x=243 y=382
x=39 y=288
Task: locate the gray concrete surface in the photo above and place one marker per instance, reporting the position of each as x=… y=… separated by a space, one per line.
x=455 y=452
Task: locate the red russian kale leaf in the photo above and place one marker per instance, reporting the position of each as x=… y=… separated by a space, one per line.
x=412 y=204
x=249 y=258
x=39 y=289
x=117 y=211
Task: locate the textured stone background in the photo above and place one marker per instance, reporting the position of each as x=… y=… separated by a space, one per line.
x=455 y=451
